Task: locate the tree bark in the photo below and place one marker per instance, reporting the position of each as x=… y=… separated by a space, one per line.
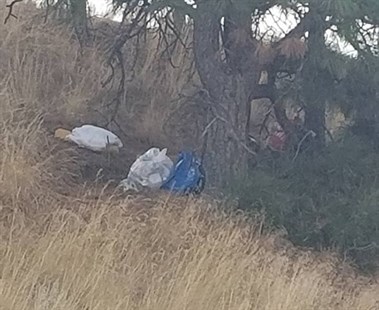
x=229 y=96
x=315 y=108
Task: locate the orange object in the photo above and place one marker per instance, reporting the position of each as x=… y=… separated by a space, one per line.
x=61 y=133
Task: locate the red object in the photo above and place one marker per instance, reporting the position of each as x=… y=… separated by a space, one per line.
x=277 y=140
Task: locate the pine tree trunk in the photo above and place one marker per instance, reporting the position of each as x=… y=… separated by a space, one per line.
x=229 y=95
x=227 y=154
x=79 y=18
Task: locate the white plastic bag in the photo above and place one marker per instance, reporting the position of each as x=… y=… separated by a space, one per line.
x=94 y=138
x=149 y=170
x=91 y=137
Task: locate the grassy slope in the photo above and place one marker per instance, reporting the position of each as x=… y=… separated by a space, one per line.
x=75 y=252
x=127 y=256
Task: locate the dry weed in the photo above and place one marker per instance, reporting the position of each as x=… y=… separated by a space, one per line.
x=43 y=67
x=31 y=167
x=124 y=256
x=45 y=82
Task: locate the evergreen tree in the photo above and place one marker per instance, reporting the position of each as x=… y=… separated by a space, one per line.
x=231 y=51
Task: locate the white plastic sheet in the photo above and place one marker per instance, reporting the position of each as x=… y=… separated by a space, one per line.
x=94 y=138
x=149 y=170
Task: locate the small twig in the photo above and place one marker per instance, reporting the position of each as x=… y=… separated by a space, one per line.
x=310 y=132
x=10 y=12
x=208 y=126
x=204 y=136
x=169 y=47
x=108 y=145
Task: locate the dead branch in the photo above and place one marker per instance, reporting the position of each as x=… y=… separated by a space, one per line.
x=10 y=11
x=121 y=87
x=135 y=30
x=171 y=25
x=168 y=46
x=126 y=34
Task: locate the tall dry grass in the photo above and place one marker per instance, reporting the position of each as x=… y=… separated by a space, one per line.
x=42 y=85
x=44 y=69
x=121 y=255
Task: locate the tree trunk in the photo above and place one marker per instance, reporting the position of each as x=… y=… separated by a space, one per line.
x=229 y=97
x=79 y=18
x=317 y=81
x=228 y=154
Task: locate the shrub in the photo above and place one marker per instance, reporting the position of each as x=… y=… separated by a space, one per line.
x=328 y=200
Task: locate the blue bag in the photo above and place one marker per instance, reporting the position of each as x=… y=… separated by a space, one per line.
x=187 y=175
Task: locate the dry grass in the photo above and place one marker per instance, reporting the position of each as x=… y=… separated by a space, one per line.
x=32 y=91
x=43 y=68
x=123 y=256
x=64 y=252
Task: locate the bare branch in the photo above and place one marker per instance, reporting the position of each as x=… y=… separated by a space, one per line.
x=168 y=45
x=10 y=11
x=172 y=27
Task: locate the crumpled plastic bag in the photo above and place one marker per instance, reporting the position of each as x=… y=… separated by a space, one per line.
x=188 y=175
x=91 y=137
x=150 y=170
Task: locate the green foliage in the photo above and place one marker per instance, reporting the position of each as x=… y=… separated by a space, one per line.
x=328 y=200
x=357 y=92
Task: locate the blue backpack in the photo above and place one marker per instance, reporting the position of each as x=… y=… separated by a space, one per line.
x=187 y=175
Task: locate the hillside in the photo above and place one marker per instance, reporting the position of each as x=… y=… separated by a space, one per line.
x=68 y=241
